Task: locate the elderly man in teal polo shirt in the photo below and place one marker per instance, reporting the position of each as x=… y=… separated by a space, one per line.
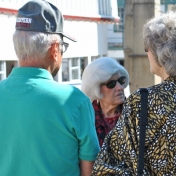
x=46 y=129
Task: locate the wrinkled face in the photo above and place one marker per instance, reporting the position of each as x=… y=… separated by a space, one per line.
x=113 y=96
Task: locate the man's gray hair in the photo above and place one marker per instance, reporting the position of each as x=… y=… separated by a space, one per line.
x=159 y=36
x=33 y=45
x=98 y=72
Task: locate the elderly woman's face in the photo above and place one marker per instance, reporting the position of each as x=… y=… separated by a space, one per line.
x=113 y=96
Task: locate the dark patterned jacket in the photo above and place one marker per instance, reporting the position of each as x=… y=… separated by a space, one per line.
x=119 y=153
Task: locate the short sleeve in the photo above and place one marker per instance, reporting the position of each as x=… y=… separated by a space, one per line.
x=83 y=123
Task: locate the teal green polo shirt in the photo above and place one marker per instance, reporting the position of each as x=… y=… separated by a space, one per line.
x=46 y=128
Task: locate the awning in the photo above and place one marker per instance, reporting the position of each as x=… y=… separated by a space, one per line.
x=97 y=19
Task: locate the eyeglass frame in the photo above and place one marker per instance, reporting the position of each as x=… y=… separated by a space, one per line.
x=66 y=45
x=115 y=82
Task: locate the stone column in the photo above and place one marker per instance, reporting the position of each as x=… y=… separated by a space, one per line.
x=136 y=60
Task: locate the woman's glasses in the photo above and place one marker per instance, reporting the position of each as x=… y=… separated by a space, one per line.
x=111 y=84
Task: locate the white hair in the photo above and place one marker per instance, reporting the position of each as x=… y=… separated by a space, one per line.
x=159 y=35
x=33 y=45
x=98 y=72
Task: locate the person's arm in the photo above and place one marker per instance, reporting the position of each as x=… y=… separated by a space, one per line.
x=121 y=143
x=83 y=126
x=86 y=167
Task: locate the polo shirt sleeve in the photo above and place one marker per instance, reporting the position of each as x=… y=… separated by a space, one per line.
x=83 y=122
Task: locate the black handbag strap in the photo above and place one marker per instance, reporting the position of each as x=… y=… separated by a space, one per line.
x=143 y=121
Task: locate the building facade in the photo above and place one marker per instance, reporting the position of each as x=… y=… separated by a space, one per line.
x=86 y=20
x=116 y=35
x=167 y=5
x=125 y=38
x=116 y=38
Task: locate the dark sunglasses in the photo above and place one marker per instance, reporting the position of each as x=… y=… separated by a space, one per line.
x=111 y=84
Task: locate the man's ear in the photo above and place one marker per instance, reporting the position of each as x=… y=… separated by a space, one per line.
x=54 y=51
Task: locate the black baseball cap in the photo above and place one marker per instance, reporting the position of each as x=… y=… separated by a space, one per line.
x=41 y=16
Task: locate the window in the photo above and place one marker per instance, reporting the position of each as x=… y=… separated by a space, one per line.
x=75 y=68
x=65 y=70
x=72 y=68
x=121 y=14
x=171 y=7
x=94 y=58
x=120 y=27
x=2 y=70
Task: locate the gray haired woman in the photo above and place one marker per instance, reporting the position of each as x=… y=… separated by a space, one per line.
x=103 y=81
x=119 y=153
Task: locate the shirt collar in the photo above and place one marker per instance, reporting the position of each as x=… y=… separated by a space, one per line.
x=31 y=72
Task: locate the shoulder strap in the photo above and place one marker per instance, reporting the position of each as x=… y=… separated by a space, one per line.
x=143 y=121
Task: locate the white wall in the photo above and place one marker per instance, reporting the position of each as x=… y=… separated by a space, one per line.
x=91 y=36
x=70 y=7
x=6 y=32
x=118 y=54
x=102 y=39
x=114 y=37
x=91 y=39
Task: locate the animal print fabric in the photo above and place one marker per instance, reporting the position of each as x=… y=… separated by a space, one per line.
x=119 y=152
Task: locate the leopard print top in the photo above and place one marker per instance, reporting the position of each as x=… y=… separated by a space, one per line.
x=119 y=152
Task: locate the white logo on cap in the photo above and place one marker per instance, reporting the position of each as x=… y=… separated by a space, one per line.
x=24 y=20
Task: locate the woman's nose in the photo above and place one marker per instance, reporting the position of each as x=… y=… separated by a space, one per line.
x=119 y=86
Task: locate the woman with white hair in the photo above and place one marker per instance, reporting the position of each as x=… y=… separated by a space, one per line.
x=120 y=154
x=103 y=81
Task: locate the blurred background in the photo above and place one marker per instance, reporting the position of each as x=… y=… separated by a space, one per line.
x=110 y=28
